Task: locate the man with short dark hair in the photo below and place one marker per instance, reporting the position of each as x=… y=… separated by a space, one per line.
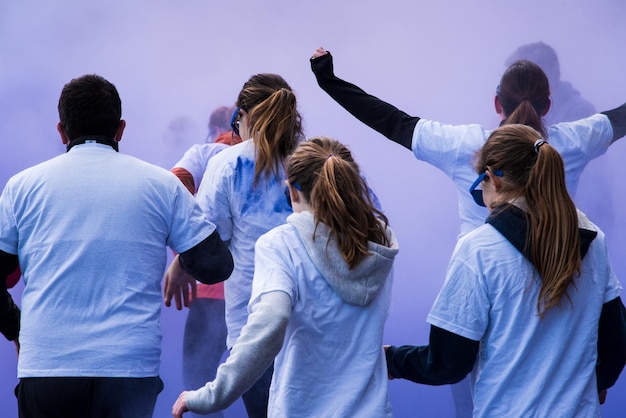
x=91 y=228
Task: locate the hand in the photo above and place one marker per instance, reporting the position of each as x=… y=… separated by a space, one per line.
x=180 y=406
x=389 y=376
x=319 y=52
x=177 y=284
x=17 y=346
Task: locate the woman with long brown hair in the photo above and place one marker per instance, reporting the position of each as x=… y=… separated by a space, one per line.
x=530 y=305
x=321 y=296
x=242 y=193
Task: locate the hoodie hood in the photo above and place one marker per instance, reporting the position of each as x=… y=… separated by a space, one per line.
x=357 y=286
x=511 y=223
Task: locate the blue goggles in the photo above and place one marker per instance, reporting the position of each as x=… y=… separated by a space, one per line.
x=288 y=196
x=234 y=121
x=478 y=194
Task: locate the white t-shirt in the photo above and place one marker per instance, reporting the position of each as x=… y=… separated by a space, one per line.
x=453 y=149
x=196 y=159
x=526 y=366
x=332 y=362
x=242 y=213
x=90 y=228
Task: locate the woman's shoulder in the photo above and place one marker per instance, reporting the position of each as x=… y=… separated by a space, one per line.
x=229 y=158
x=281 y=236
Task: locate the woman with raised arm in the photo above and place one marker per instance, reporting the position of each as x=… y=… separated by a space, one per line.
x=321 y=295
x=523 y=96
x=530 y=305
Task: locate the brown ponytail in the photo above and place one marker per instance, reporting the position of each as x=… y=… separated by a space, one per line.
x=274 y=121
x=524 y=93
x=330 y=181
x=534 y=171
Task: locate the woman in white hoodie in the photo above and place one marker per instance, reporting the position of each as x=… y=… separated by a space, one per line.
x=320 y=298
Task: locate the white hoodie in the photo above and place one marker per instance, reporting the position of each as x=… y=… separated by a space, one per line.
x=325 y=322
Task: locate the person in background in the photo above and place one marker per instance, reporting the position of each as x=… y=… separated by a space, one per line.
x=204 y=340
x=90 y=229
x=530 y=305
x=219 y=124
x=242 y=194
x=567 y=104
x=321 y=290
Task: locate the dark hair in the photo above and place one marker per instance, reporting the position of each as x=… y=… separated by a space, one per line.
x=273 y=119
x=89 y=105
x=524 y=93
x=536 y=173
x=219 y=121
x=330 y=181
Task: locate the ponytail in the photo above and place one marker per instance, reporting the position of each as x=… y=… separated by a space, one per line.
x=526 y=114
x=331 y=182
x=553 y=238
x=273 y=119
x=524 y=93
x=533 y=171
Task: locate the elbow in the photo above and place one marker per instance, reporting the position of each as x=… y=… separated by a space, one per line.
x=209 y=262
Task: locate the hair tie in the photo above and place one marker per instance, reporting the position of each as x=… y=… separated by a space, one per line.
x=539 y=143
x=330 y=155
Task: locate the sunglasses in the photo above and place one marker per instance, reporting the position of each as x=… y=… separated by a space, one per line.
x=234 y=121
x=288 y=196
x=478 y=194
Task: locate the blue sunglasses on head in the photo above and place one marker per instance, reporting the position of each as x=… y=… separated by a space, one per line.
x=234 y=121
x=478 y=194
x=288 y=196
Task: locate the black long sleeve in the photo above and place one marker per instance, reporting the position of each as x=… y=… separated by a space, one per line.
x=9 y=312
x=611 y=343
x=375 y=113
x=617 y=117
x=209 y=262
x=447 y=359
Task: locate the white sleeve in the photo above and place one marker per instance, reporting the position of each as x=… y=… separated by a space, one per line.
x=260 y=341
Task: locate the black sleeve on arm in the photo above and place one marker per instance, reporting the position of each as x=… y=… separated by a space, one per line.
x=8 y=264
x=447 y=359
x=375 y=113
x=617 y=117
x=9 y=312
x=611 y=343
x=209 y=262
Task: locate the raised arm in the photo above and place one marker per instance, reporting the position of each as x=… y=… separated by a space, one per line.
x=375 y=113
x=617 y=117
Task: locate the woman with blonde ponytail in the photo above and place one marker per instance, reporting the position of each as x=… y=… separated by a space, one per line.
x=242 y=193
x=321 y=296
x=530 y=305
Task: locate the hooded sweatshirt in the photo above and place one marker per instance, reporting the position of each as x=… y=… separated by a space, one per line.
x=323 y=320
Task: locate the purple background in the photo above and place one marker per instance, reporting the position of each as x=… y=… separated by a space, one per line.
x=173 y=62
